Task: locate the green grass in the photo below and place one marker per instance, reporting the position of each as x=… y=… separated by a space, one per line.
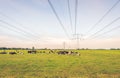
x=91 y=64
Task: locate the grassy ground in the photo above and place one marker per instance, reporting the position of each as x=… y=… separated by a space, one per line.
x=91 y=64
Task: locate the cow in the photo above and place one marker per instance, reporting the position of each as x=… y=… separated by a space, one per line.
x=63 y=52
x=12 y=53
x=68 y=53
x=74 y=53
x=20 y=53
x=78 y=54
x=51 y=51
x=3 y=52
x=31 y=52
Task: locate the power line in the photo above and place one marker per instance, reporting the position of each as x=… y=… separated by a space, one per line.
x=61 y=24
x=19 y=29
x=17 y=23
x=10 y=25
x=107 y=31
x=76 y=7
x=69 y=10
x=15 y=31
x=103 y=16
x=25 y=36
x=105 y=27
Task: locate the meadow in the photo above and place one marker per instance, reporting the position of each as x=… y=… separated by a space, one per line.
x=90 y=64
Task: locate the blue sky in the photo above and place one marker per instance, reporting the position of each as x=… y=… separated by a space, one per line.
x=43 y=29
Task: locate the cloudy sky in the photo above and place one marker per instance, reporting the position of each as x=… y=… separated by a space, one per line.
x=27 y=23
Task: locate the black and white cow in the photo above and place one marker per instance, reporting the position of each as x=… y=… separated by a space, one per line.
x=32 y=52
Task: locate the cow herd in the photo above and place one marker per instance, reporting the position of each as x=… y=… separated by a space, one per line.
x=11 y=53
x=50 y=52
x=68 y=53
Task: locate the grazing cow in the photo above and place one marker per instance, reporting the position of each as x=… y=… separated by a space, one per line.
x=20 y=53
x=63 y=52
x=12 y=53
x=68 y=53
x=3 y=52
x=32 y=52
x=51 y=51
x=76 y=53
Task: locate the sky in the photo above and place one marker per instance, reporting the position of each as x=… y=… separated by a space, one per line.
x=27 y=23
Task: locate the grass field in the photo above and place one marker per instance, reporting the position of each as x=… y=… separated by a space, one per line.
x=91 y=64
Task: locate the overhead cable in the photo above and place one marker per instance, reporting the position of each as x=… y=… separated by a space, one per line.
x=61 y=24
x=76 y=8
x=101 y=19
x=105 y=27
x=69 y=10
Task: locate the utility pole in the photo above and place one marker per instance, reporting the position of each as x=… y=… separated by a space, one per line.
x=64 y=45
x=78 y=37
x=33 y=48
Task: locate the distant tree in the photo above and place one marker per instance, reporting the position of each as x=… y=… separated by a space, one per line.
x=83 y=49
x=45 y=48
x=112 y=49
x=118 y=48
